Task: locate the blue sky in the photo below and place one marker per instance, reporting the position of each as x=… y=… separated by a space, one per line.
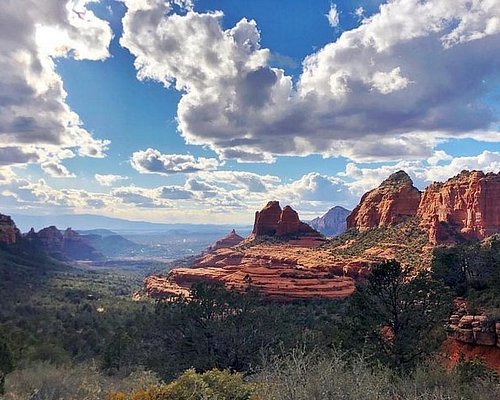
x=202 y=111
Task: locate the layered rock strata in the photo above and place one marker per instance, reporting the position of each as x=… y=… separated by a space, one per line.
x=230 y=240
x=391 y=203
x=274 y=221
x=466 y=206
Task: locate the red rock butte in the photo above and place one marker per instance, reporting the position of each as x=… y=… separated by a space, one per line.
x=466 y=206
x=274 y=221
x=389 y=204
x=293 y=269
x=297 y=266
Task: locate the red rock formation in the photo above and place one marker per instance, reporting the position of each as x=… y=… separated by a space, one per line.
x=278 y=271
x=9 y=234
x=230 y=240
x=51 y=240
x=466 y=205
x=64 y=245
x=273 y=221
x=266 y=220
x=391 y=203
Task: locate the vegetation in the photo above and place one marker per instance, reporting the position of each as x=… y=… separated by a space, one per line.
x=73 y=332
x=472 y=269
x=303 y=375
x=407 y=237
x=213 y=384
x=397 y=318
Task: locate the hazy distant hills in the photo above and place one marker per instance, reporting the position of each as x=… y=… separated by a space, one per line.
x=332 y=223
x=85 y=222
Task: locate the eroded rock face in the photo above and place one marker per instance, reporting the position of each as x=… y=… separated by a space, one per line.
x=279 y=271
x=274 y=221
x=395 y=200
x=64 y=245
x=466 y=205
x=474 y=329
x=266 y=220
x=51 y=240
x=9 y=234
x=230 y=240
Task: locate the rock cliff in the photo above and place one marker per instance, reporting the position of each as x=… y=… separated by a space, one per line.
x=467 y=206
x=391 y=203
x=63 y=245
x=9 y=234
x=274 y=221
x=332 y=223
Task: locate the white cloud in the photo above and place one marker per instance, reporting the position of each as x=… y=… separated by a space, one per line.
x=151 y=161
x=333 y=16
x=56 y=170
x=373 y=85
x=387 y=82
x=33 y=108
x=359 y=12
x=108 y=180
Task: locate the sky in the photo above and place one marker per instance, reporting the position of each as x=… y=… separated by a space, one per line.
x=203 y=110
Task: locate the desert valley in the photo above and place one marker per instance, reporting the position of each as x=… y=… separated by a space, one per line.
x=249 y=200
x=448 y=234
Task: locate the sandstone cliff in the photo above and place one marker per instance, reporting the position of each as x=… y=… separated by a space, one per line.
x=391 y=203
x=467 y=205
x=9 y=234
x=274 y=221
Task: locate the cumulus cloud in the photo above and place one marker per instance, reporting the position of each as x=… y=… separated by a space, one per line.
x=108 y=180
x=56 y=170
x=33 y=108
x=250 y=181
x=16 y=155
x=410 y=76
x=175 y=193
x=333 y=16
x=151 y=161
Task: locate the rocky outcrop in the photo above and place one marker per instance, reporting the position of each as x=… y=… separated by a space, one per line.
x=395 y=200
x=77 y=247
x=63 y=245
x=51 y=240
x=466 y=206
x=274 y=221
x=9 y=234
x=230 y=240
x=475 y=329
x=332 y=223
x=279 y=271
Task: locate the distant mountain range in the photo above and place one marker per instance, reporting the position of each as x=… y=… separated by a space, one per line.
x=332 y=223
x=92 y=222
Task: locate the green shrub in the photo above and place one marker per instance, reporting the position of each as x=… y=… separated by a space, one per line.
x=211 y=385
